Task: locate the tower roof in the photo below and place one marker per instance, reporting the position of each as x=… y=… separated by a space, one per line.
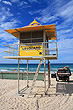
x=33 y=26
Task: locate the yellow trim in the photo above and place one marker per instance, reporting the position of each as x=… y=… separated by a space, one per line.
x=34 y=23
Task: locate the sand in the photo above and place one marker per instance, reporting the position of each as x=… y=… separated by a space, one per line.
x=59 y=96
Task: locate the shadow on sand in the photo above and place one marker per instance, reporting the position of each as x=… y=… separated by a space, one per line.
x=64 y=88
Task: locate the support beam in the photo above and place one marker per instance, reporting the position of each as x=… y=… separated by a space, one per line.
x=18 y=60
x=48 y=74
x=27 y=74
x=36 y=75
x=45 y=74
x=48 y=66
x=44 y=40
x=18 y=75
x=47 y=46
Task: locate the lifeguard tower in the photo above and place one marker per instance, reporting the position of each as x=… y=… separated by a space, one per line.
x=34 y=44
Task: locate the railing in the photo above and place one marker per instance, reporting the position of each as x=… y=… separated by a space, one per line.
x=47 y=48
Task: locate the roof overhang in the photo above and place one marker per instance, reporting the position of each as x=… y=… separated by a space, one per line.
x=49 y=29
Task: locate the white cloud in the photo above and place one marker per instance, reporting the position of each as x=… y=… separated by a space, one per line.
x=25 y=6
x=7 y=21
x=66 y=13
x=33 y=1
x=4 y=36
x=9 y=25
x=65 y=46
x=64 y=31
x=22 y=3
x=5 y=13
x=34 y=12
x=65 y=51
x=47 y=19
x=14 y=0
x=6 y=2
x=38 y=1
x=47 y=14
x=67 y=10
x=25 y=3
x=2 y=53
x=55 y=10
x=2 y=18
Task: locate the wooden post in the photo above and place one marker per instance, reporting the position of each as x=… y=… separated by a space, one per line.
x=44 y=44
x=44 y=40
x=47 y=46
x=48 y=65
x=18 y=75
x=22 y=76
x=48 y=74
x=42 y=49
x=2 y=75
x=27 y=74
x=45 y=73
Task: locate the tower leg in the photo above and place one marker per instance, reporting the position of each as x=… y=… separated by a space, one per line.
x=27 y=74
x=45 y=73
x=48 y=74
x=18 y=75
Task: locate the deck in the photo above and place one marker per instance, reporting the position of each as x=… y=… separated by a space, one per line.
x=50 y=57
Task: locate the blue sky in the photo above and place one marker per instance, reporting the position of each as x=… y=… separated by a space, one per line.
x=19 y=13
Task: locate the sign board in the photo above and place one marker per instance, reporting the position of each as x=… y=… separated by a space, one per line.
x=35 y=50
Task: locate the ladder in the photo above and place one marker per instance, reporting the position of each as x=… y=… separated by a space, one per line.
x=36 y=75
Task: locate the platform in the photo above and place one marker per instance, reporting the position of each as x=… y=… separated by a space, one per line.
x=50 y=57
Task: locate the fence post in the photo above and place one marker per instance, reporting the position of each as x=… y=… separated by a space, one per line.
x=2 y=75
x=22 y=76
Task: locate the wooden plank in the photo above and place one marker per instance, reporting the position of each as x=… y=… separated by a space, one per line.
x=31 y=57
x=10 y=47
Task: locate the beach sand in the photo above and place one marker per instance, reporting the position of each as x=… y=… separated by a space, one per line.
x=60 y=96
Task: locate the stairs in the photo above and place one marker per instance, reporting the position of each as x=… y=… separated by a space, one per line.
x=36 y=75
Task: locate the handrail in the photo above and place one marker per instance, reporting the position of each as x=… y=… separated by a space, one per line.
x=9 y=47
x=31 y=43
x=11 y=52
x=45 y=50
